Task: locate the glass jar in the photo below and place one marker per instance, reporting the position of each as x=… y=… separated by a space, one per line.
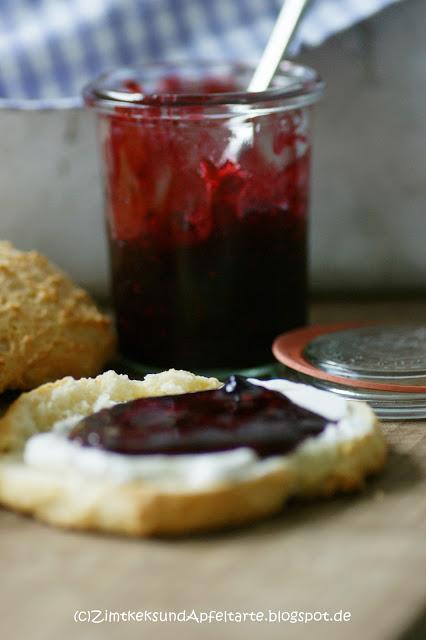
x=206 y=197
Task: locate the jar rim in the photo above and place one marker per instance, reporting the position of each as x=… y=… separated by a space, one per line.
x=294 y=85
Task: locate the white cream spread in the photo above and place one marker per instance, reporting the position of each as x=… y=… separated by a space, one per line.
x=200 y=471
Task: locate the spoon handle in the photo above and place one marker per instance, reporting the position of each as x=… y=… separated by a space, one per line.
x=282 y=33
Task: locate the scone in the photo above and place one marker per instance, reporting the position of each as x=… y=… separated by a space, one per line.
x=59 y=481
x=49 y=328
x=84 y=486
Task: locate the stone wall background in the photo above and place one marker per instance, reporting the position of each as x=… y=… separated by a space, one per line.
x=368 y=225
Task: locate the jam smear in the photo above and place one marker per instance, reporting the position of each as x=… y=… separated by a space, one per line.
x=239 y=414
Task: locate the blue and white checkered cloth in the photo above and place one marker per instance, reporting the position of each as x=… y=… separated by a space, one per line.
x=50 y=48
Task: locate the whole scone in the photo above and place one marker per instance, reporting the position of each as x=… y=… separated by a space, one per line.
x=49 y=328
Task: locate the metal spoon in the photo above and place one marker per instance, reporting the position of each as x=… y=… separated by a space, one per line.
x=276 y=48
x=278 y=43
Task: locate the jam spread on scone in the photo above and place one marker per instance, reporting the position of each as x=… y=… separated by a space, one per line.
x=239 y=414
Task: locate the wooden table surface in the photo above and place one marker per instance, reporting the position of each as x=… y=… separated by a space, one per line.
x=363 y=553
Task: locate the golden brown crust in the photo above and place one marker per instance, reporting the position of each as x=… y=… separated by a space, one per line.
x=49 y=328
x=77 y=500
x=137 y=508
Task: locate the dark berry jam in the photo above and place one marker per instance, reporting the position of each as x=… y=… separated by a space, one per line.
x=240 y=414
x=208 y=251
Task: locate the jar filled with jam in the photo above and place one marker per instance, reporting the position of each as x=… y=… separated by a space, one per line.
x=206 y=197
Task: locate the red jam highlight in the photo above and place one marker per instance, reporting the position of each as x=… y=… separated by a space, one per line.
x=239 y=414
x=208 y=252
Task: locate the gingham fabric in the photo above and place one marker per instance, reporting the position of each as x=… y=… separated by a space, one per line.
x=50 y=48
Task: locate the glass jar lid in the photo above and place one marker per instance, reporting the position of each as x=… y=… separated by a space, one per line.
x=384 y=365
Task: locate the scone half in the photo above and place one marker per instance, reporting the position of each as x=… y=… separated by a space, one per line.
x=61 y=483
